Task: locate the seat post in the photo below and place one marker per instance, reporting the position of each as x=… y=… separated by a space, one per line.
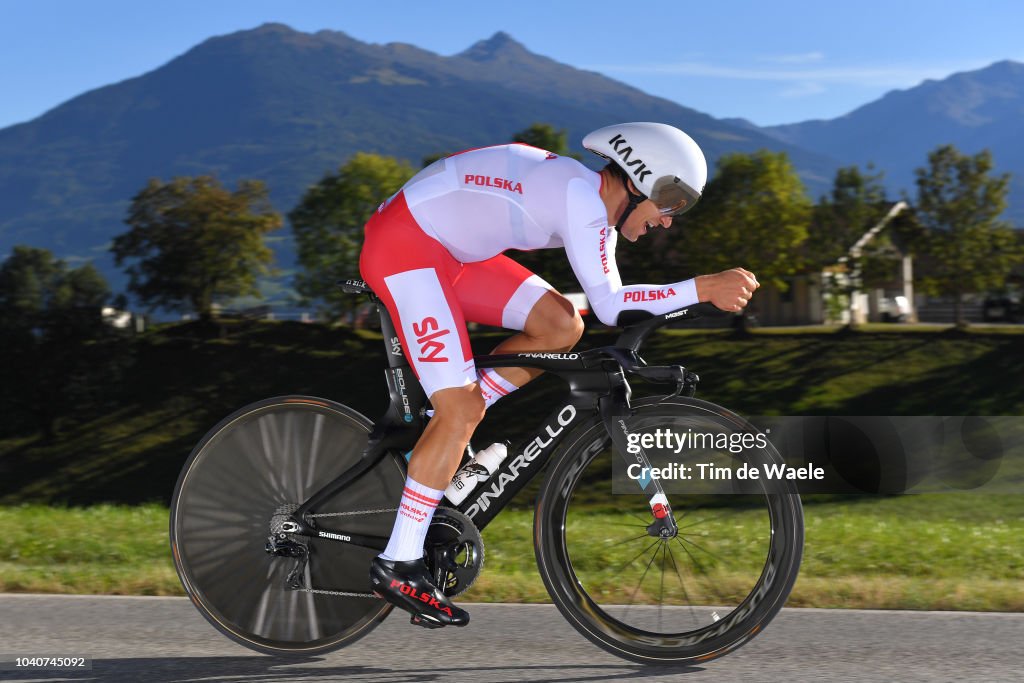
x=391 y=340
x=392 y=344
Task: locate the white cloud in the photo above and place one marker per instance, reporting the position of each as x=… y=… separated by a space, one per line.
x=895 y=75
x=803 y=89
x=804 y=58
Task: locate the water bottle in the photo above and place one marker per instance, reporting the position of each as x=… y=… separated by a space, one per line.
x=478 y=470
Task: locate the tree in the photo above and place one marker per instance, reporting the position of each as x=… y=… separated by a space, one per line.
x=542 y=135
x=969 y=249
x=545 y=136
x=856 y=204
x=754 y=214
x=53 y=336
x=328 y=223
x=196 y=242
x=431 y=158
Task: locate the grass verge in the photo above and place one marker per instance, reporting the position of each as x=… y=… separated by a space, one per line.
x=956 y=552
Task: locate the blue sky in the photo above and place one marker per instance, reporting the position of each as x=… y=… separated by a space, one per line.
x=770 y=62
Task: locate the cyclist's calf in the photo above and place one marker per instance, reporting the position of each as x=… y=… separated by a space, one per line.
x=457 y=412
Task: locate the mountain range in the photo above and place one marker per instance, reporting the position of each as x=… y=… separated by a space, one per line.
x=287 y=107
x=974 y=110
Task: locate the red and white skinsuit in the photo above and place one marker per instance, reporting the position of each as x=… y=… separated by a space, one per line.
x=434 y=252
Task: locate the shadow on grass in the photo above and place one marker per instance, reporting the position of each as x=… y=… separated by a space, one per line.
x=182 y=385
x=988 y=384
x=187 y=378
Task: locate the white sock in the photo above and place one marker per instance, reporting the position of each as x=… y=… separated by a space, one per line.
x=414 y=515
x=493 y=386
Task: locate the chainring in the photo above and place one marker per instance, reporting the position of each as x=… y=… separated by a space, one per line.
x=454 y=551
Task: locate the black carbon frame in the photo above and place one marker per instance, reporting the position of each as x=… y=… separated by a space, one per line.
x=597 y=386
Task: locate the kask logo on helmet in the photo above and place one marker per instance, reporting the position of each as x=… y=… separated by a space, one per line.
x=617 y=143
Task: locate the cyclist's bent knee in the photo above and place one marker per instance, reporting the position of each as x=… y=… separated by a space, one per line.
x=459 y=405
x=574 y=328
x=555 y=320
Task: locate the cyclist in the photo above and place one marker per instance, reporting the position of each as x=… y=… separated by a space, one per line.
x=433 y=253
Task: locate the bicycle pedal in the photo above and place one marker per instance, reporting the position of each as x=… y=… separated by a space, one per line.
x=425 y=622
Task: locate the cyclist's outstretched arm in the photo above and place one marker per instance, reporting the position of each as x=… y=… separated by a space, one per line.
x=590 y=245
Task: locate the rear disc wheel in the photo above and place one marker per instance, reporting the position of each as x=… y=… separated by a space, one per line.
x=245 y=477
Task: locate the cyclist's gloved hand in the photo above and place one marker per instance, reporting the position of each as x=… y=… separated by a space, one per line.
x=729 y=290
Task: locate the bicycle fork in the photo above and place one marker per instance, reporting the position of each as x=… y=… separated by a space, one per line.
x=615 y=410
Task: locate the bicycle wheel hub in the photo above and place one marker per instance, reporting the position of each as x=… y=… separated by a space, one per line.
x=664 y=528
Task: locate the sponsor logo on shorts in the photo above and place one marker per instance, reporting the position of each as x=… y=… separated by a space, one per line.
x=649 y=294
x=488 y=181
x=428 y=334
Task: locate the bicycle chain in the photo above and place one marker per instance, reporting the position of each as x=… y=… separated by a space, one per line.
x=356 y=512
x=345 y=594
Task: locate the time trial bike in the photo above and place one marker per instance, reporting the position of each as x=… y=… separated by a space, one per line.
x=281 y=506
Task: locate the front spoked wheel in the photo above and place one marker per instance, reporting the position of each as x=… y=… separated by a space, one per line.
x=678 y=598
x=240 y=484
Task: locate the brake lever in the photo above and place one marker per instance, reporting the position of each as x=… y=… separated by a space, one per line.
x=688 y=384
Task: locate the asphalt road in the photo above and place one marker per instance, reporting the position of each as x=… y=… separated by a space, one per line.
x=165 y=640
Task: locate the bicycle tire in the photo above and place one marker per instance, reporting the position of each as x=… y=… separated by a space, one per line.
x=270 y=454
x=571 y=561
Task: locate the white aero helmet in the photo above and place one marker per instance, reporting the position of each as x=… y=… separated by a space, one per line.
x=664 y=163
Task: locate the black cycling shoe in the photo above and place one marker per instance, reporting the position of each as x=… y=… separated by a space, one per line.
x=408 y=585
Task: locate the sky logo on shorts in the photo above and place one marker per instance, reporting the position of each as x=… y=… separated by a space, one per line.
x=488 y=181
x=428 y=333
